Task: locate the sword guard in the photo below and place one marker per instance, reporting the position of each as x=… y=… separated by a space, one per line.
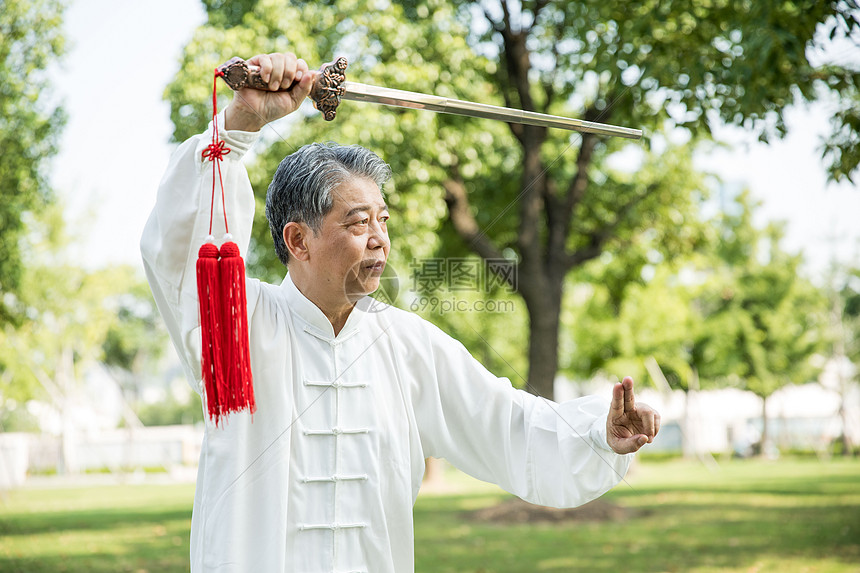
x=325 y=93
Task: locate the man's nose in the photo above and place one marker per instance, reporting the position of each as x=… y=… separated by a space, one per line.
x=378 y=237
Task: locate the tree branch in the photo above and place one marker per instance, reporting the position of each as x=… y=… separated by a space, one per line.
x=555 y=218
x=579 y=183
x=506 y=15
x=532 y=204
x=539 y=6
x=500 y=27
x=496 y=25
x=461 y=217
x=599 y=238
x=516 y=128
x=549 y=86
x=517 y=60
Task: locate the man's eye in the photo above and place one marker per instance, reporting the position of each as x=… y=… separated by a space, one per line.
x=384 y=218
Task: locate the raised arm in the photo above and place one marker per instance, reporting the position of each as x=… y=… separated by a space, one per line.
x=179 y=223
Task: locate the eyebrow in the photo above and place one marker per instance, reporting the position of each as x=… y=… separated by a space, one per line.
x=360 y=208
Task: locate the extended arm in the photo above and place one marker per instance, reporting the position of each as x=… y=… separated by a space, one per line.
x=546 y=453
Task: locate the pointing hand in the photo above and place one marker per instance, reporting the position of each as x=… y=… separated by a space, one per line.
x=629 y=425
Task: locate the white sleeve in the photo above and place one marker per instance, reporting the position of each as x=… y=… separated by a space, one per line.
x=546 y=453
x=179 y=225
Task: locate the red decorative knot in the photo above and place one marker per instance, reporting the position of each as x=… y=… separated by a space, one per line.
x=215 y=151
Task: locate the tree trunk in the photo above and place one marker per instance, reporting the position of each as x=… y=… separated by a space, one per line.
x=844 y=439
x=433 y=475
x=544 y=320
x=68 y=461
x=687 y=439
x=762 y=444
x=690 y=438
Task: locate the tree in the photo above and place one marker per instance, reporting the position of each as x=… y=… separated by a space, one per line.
x=636 y=306
x=655 y=334
x=633 y=304
x=845 y=321
x=736 y=312
x=30 y=122
x=655 y=319
x=75 y=318
x=769 y=321
x=133 y=342
x=540 y=199
x=649 y=64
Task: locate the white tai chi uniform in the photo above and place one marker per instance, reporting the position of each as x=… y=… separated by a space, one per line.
x=323 y=477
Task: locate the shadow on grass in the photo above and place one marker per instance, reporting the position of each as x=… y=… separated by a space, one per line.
x=747 y=517
x=788 y=486
x=107 y=519
x=680 y=529
x=96 y=541
x=137 y=558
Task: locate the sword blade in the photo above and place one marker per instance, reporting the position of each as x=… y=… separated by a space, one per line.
x=330 y=86
x=399 y=98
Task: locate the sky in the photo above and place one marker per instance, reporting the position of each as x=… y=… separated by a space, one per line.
x=117 y=141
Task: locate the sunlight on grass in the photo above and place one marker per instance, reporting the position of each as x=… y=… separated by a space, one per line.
x=789 y=516
x=746 y=516
x=100 y=529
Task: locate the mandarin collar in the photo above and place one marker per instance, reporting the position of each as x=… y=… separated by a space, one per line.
x=316 y=321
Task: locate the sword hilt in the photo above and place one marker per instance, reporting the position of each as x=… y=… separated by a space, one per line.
x=325 y=93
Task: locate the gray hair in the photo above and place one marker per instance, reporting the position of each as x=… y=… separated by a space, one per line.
x=301 y=189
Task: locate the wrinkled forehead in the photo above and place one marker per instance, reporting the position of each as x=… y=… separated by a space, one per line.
x=354 y=194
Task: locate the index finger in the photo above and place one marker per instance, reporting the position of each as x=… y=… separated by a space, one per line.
x=616 y=407
x=265 y=63
x=629 y=402
x=301 y=69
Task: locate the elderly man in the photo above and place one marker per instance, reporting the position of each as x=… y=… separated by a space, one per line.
x=322 y=478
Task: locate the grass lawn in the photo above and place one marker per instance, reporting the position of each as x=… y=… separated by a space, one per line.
x=135 y=528
x=791 y=515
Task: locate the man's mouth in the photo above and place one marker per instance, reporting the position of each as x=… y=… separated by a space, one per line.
x=375 y=267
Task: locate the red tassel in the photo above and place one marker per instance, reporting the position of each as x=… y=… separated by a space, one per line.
x=236 y=355
x=226 y=360
x=209 y=295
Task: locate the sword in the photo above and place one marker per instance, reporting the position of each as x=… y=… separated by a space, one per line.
x=330 y=87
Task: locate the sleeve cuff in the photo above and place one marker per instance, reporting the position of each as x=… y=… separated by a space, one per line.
x=597 y=433
x=238 y=141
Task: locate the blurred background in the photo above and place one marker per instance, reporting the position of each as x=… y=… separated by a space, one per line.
x=717 y=261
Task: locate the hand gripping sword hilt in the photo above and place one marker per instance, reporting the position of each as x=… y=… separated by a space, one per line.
x=325 y=93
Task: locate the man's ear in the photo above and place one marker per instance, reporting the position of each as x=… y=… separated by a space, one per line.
x=295 y=238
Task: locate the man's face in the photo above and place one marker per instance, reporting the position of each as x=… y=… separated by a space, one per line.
x=351 y=249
